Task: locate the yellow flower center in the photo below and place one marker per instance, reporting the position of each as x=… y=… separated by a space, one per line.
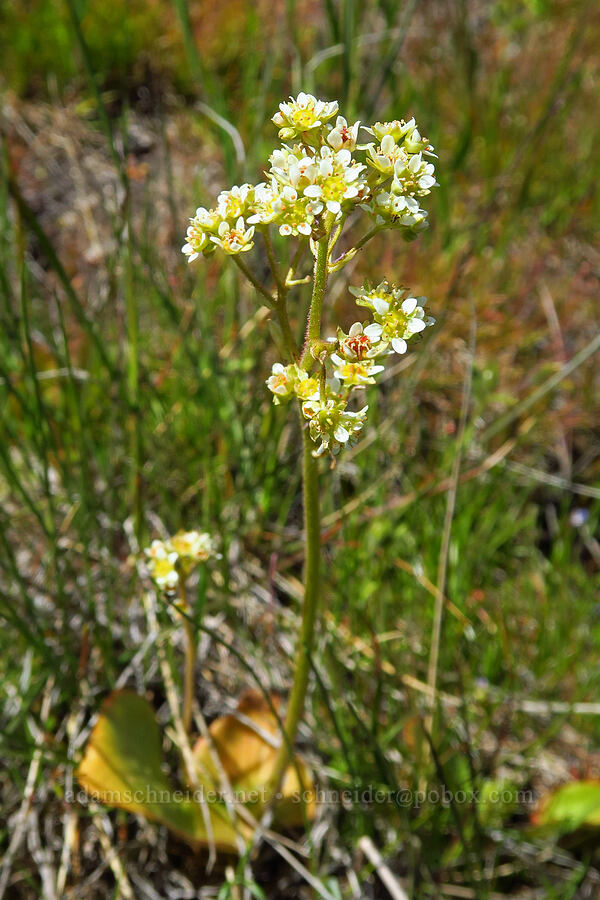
x=333 y=188
x=304 y=118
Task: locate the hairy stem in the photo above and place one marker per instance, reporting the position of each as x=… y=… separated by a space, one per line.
x=313 y=332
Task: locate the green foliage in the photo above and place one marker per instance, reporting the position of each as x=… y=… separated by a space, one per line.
x=39 y=51
x=506 y=94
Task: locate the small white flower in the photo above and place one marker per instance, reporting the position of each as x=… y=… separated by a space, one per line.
x=287 y=380
x=413 y=176
x=192 y=547
x=357 y=373
x=396 y=129
x=361 y=343
x=303 y=115
x=343 y=135
x=397 y=318
x=234 y=240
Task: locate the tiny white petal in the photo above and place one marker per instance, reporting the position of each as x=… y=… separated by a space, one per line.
x=341 y=434
x=313 y=190
x=373 y=331
x=380 y=305
x=413 y=326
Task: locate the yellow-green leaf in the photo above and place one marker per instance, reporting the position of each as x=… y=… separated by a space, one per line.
x=122 y=766
x=248 y=760
x=571 y=806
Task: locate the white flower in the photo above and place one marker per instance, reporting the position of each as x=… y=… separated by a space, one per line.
x=334 y=178
x=397 y=318
x=397 y=211
x=199 y=231
x=161 y=561
x=396 y=129
x=303 y=115
x=234 y=203
x=384 y=157
x=192 y=547
x=331 y=424
x=357 y=373
x=343 y=135
x=413 y=176
x=287 y=380
x=263 y=206
x=361 y=343
x=234 y=240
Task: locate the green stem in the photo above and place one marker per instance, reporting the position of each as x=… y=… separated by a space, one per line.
x=280 y=282
x=284 y=324
x=253 y=280
x=312 y=532
x=190 y=661
x=312 y=538
x=313 y=332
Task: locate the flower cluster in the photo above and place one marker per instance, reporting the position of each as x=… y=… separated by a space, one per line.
x=353 y=360
x=397 y=317
x=175 y=558
x=324 y=172
x=319 y=175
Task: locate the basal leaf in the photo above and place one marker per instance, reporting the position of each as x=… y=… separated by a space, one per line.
x=247 y=755
x=122 y=766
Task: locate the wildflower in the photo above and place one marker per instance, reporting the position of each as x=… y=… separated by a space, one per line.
x=161 y=560
x=361 y=343
x=234 y=240
x=263 y=208
x=414 y=143
x=331 y=424
x=396 y=129
x=313 y=181
x=197 y=242
x=343 y=136
x=201 y=227
x=294 y=214
x=306 y=388
x=193 y=546
x=356 y=374
x=284 y=379
x=334 y=178
x=302 y=116
x=384 y=157
x=235 y=202
x=398 y=211
x=413 y=175
x=396 y=319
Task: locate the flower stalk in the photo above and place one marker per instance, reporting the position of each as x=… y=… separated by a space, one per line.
x=190 y=661
x=317 y=179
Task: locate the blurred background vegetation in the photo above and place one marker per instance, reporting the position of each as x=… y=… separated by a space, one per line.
x=133 y=404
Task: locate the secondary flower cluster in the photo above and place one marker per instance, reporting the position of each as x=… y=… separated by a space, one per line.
x=175 y=558
x=350 y=362
x=324 y=171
